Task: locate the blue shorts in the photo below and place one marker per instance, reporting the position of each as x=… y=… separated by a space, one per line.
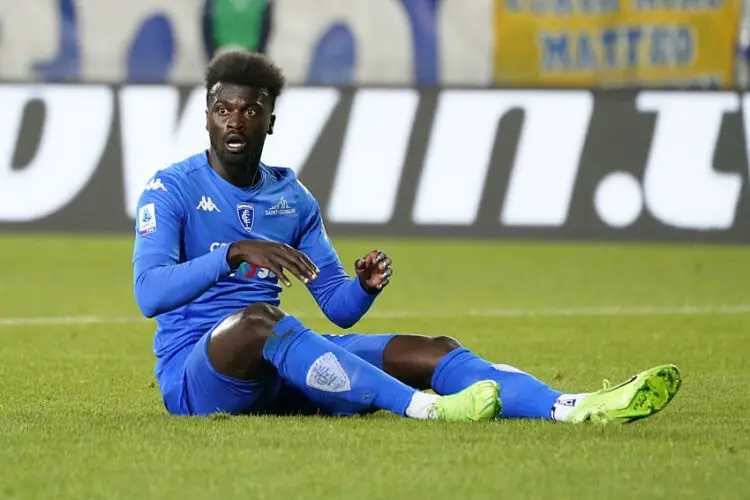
x=200 y=390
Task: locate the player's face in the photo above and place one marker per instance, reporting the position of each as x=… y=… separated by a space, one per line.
x=238 y=119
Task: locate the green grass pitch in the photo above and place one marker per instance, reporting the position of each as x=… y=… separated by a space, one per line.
x=80 y=416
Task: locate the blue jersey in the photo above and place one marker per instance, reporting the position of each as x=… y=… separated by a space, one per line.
x=188 y=215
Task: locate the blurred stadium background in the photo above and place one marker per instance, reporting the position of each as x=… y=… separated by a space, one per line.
x=612 y=133
x=570 y=132
x=429 y=42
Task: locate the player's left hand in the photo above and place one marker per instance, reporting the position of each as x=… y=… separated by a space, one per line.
x=374 y=271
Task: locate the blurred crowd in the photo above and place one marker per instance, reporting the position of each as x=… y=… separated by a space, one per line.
x=603 y=43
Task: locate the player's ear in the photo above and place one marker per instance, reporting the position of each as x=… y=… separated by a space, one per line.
x=206 y=119
x=271 y=123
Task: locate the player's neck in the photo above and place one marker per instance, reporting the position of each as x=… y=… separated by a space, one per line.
x=240 y=174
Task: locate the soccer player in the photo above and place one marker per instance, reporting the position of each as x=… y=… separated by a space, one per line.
x=217 y=233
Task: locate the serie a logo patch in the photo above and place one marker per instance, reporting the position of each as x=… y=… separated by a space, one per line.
x=147 y=219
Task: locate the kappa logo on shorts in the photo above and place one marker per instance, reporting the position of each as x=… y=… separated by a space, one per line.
x=326 y=374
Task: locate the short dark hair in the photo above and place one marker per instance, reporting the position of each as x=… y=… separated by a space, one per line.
x=242 y=67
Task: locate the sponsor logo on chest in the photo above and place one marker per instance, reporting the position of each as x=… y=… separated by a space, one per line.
x=281 y=208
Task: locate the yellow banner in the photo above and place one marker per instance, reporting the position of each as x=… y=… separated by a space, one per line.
x=615 y=42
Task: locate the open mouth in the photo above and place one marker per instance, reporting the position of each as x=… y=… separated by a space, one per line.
x=235 y=143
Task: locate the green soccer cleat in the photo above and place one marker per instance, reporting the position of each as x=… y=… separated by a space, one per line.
x=641 y=396
x=477 y=402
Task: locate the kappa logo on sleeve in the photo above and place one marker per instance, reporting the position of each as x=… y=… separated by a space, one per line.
x=155 y=184
x=147 y=219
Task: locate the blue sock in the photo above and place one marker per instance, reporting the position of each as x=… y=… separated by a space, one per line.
x=522 y=395
x=337 y=380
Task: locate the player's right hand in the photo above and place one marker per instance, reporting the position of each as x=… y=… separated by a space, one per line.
x=274 y=256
